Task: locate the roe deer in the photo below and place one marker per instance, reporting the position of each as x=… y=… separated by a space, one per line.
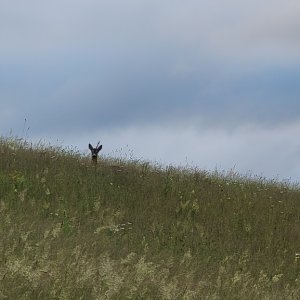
x=95 y=152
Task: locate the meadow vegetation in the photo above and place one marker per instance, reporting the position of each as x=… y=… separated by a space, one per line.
x=127 y=229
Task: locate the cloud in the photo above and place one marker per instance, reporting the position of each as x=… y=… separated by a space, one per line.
x=235 y=31
x=34 y=28
x=64 y=96
x=210 y=71
x=225 y=30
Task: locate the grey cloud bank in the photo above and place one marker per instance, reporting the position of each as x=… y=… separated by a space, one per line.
x=198 y=71
x=149 y=95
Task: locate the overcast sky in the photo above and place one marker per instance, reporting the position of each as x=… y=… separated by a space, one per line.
x=215 y=84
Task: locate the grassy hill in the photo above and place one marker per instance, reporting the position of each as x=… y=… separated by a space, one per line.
x=128 y=230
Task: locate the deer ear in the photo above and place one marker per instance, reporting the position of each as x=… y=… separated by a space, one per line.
x=90 y=147
x=99 y=148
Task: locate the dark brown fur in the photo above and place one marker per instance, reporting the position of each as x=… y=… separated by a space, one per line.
x=95 y=152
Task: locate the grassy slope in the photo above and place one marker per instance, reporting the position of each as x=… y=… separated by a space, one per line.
x=69 y=230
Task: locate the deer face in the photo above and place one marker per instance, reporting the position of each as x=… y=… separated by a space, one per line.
x=95 y=151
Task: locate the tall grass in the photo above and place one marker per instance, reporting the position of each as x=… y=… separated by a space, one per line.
x=129 y=230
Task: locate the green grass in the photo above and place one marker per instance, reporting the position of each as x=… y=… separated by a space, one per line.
x=129 y=230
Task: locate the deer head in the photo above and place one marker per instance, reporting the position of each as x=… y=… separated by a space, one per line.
x=95 y=151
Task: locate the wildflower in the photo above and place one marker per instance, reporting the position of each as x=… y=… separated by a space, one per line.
x=47 y=191
x=276 y=277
